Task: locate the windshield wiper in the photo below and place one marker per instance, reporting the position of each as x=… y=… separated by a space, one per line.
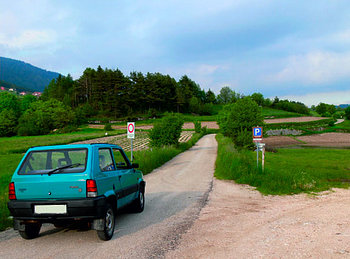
x=58 y=169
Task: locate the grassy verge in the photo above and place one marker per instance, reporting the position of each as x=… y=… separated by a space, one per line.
x=148 y=159
x=289 y=171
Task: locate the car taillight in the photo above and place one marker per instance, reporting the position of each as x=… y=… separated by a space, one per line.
x=91 y=188
x=12 y=192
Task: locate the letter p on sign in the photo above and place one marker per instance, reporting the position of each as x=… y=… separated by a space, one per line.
x=257 y=133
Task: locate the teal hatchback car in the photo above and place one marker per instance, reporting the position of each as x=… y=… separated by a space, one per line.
x=69 y=183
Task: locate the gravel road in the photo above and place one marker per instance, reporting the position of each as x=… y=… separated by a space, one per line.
x=238 y=222
x=175 y=194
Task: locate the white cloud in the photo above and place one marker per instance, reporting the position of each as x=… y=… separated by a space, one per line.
x=314 y=68
x=28 y=39
x=336 y=98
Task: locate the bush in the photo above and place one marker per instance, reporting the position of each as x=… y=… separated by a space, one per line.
x=108 y=127
x=8 y=123
x=167 y=131
x=204 y=130
x=347 y=112
x=197 y=126
x=238 y=119
x=43 y=117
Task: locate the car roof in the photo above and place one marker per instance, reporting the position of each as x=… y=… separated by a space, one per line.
x=73 y=146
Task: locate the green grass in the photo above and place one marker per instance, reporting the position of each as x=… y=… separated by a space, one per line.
x=19 y=144
x=269 y=112
x=289 y=171
x=344 y=126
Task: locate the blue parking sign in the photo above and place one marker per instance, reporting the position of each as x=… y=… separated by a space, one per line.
x=257 y=133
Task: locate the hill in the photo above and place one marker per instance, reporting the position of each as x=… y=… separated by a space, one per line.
x=25 y=75
x=343 y=106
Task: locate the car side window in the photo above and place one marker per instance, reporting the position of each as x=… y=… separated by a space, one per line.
x=105 y=160
x=119 y=159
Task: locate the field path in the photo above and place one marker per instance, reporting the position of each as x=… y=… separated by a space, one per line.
x=175 y=194
x=238 y=222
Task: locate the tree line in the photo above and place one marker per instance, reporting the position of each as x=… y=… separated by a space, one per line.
x=107 y=92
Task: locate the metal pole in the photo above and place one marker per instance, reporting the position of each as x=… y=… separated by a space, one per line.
x=257 y=155
x=263 y=158
x=131 y=151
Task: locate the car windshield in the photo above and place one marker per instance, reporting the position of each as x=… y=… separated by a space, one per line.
x=49 y=161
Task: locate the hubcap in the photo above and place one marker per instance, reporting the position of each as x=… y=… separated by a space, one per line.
x=141 y=199
x=109 y=220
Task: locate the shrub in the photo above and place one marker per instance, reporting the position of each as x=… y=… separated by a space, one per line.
x=204 y=130
x=237 y=120
x=167 y=131
x=347 y=112
x=44 y=116
x=108 y=127
x=197 y=126
x=8 y=123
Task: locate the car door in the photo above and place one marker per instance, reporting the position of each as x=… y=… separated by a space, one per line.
x=108 y=175
x=127 y=176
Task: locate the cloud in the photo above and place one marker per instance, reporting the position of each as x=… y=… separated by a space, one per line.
x=314 y=68
x=335 y=97
x=29 y=39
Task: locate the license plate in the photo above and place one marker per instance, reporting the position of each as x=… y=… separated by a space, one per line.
x=50 y=209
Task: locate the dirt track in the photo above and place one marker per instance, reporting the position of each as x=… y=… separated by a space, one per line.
x=238 y=222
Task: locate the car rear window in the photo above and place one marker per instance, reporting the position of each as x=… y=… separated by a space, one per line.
x=63 y=160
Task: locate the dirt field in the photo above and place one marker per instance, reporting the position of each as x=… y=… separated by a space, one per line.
x=340 y=140
x=214 y=125
x=296 y=119
x=238 y=222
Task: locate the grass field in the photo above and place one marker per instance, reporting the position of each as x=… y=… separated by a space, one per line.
x=289 y=171
x=19 y=144
x=269 y=112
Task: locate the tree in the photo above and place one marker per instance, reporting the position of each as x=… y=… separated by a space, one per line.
x=210 y=97
x=347 y=112
x=258 y=98
x=8 y=123
x=44 y=116
x=237 y=120
x=167 y=131
x=9 y=101
x=226 y=95
x=26 y=101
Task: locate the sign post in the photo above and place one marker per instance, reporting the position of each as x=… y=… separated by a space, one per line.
x=131 y=134
x=257 y=138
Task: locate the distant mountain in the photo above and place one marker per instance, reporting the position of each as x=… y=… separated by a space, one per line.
x=25 y=75
x=344 y=106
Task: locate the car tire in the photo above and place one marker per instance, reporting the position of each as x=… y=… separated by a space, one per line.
x=109 y=224
x=139 y=203
x=30 y=231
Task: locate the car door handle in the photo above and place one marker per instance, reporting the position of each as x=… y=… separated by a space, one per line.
x=120 y=176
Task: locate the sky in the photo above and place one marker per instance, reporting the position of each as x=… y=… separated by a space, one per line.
x=297 y=50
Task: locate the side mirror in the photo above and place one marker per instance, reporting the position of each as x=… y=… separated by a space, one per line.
x=135 y=165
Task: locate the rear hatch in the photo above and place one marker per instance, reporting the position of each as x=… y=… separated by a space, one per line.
x=58 y=172
x=56 y=186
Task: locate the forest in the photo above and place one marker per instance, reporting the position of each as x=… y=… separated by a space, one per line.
x=106 y=92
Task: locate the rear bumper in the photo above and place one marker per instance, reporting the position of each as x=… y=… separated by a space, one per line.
x=88 y=208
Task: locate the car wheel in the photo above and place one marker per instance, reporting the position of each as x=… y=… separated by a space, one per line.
x=30 y=231
x=139 y=203
x=109 y=224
